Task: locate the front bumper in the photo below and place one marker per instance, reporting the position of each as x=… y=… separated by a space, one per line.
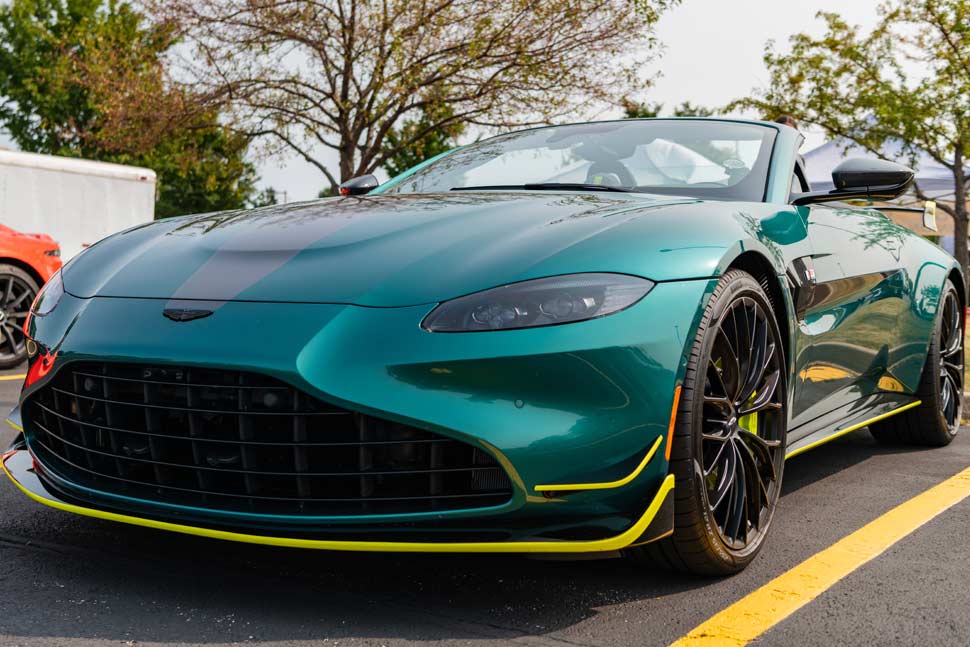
x=654 y=523
x=585 y=404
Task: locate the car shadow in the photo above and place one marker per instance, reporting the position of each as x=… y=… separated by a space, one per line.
x=836 y=456
x=97 y=581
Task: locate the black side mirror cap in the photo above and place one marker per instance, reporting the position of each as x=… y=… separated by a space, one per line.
x=359 y=185
x=863 y=178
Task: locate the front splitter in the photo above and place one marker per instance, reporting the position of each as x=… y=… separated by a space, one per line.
x=18 y=466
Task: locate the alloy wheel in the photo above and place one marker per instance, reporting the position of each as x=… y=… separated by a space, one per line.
x=743 y=423
x=16 y=297
x=951 y=360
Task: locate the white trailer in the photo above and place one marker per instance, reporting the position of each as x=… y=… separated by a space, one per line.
x=76 y=201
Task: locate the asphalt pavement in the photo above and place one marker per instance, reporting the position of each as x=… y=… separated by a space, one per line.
x=75 y=581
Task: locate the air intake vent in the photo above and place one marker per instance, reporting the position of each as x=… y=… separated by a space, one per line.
x=242 y=442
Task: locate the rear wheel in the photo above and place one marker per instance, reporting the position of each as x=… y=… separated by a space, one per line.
x=936 y=420
x=729 y=440
x=17 y=292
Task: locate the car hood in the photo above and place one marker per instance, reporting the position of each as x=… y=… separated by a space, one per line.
x=396 y=250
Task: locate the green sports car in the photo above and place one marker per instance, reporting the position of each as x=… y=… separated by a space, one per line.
x=592 y=338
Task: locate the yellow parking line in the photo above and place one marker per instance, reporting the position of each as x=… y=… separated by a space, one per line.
x=11 y=377
x=759 y=611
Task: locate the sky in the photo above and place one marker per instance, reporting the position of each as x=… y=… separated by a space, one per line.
x=712 y=53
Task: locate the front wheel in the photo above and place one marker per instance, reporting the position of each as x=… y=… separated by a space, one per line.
x=728 y=447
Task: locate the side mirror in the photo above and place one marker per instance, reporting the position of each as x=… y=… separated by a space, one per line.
x=862 y=178
x=359 y=185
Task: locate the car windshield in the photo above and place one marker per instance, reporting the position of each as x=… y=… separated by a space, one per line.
x=720 y=160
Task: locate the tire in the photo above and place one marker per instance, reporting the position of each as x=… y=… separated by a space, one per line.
x=17 y=292
x=710 y=437
x=936 y=420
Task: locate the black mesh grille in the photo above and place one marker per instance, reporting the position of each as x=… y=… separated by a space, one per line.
x=244 y=442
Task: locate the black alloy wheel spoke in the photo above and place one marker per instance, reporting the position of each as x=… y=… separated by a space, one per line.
x=760 y=451
x=755 y=484
x=730 y=364
x=743 y=422
x=727 y=480
x=19 y=300
x=8 y=336
x=736 y=513
x=764 y=399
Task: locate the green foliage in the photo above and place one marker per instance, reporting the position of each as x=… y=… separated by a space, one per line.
x=908 y=80
x=387 y=68
x=265 y=198
x=687 y=109
x=633 y=110
x=86 y=78
x=420 y=139
x=202 y=170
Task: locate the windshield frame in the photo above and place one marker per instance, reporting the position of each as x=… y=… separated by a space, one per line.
x=767 y=158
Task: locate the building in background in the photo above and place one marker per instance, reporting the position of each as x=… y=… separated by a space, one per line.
x=76 y=201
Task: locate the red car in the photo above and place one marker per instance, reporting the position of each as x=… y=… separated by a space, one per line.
x=27 y=261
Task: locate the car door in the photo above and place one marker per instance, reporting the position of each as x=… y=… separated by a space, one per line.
x=848 y=326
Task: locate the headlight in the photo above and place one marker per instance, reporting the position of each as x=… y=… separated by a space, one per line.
x=540 y=302
x=49 y=296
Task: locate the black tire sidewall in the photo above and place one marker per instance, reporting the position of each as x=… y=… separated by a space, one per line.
x=13 y=270
x=733 y=285
x=934 y=362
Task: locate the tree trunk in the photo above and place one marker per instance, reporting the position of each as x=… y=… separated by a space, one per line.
x=960 y=216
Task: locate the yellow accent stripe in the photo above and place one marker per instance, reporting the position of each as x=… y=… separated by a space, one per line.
x=759 y=611
x=842 y=432
x=13 y=424
x=672 y=423
x=588 y=546
x=572 y=487
x=4 y=378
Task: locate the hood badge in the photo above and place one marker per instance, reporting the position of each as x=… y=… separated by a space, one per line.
x=185 y=314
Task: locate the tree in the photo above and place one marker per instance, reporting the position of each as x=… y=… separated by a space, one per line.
x=406 y=146
x=341 y=74
x=908 y=80
x=265 y=198
x=688 y=109
x=202 y=170
x=86 y=78
x=634 y=110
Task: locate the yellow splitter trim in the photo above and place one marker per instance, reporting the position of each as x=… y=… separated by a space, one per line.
x=572 y=487
x=589 y=546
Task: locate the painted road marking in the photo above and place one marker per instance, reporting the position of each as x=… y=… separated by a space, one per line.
x=762 y=609
x=11 y=377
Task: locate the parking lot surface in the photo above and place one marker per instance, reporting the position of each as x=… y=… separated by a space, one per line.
x=73 y=581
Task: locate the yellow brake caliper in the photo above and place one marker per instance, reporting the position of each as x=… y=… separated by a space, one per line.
x=749 y=422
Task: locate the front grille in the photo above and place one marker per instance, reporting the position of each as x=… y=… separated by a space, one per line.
x=244 y=442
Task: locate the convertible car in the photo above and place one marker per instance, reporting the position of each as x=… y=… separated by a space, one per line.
x=592 y=338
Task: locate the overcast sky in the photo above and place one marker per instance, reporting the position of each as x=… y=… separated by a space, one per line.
x=712 y=54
